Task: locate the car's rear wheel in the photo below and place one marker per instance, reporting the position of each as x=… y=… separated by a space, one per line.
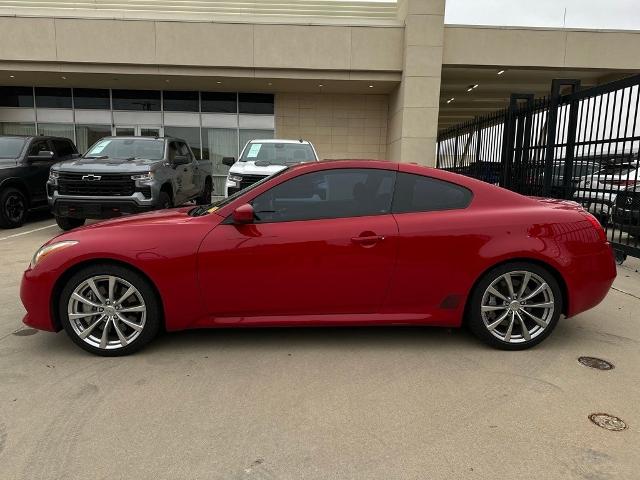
x=109 y=310
x=13 y=208
x=515 y=306
x=69 y=223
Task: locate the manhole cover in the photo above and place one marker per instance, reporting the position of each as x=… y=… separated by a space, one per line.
x=608 y=422
x=25 y=332
x=598 y=363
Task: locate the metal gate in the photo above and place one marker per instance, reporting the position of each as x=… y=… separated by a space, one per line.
x=582 y=145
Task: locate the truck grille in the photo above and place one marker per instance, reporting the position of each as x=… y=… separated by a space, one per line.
x=109 y=185
x=248 y=180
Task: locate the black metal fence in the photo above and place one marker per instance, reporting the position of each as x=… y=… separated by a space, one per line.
x=582 y=145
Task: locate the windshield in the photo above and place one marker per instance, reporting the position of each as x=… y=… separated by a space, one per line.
x=278 y=153
x=203 y=210
x=128 y=149
x=11 y=147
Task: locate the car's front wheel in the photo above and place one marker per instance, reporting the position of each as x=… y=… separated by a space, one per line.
x=109 y=310
x=515 y=306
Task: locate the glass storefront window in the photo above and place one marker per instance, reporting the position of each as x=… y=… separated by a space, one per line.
x=141 y=100
x=180 y=101
x=87 y=135
x=47 y=97
x=17 y=128
x=56 y=130
x=16 y=97
x=248 y=135
x=191 y=135
x=257 y=103
x=218 y=143
x=219 y=102
x=91 y=99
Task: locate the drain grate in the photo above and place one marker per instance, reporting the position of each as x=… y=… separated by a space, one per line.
x=597 y=363
x=25 y=332
x=608 y=422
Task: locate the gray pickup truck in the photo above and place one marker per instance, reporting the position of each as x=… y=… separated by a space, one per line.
x=120 y=175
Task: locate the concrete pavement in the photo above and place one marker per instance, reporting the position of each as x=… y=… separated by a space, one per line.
x=351 y=403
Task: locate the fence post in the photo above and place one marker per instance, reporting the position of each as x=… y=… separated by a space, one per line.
x=552 y=126
x=509 y=136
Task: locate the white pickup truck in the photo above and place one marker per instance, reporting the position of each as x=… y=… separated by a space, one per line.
x=263 y=158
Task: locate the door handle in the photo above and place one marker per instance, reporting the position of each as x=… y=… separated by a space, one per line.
x=367 y=239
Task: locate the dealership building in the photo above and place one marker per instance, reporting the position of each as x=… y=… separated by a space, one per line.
x=358 y=79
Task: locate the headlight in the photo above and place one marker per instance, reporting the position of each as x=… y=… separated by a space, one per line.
x=48 y=249
x=235 y=178
x=148 y=176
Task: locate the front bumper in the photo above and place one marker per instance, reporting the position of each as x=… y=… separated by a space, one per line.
x=99 y=207
x=35 y=294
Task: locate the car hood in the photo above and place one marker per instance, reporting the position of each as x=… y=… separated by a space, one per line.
x=170 y=216
x=250 y=168
x=7 y=163
x=105 y=165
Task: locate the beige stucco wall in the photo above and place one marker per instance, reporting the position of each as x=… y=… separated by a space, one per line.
x=339 y=125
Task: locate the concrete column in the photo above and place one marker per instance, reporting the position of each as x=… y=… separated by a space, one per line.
x=413 y=105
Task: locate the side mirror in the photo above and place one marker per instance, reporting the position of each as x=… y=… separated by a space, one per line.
x=228 y=161
x=42 y=155
x=180 y=160
x=243 y=214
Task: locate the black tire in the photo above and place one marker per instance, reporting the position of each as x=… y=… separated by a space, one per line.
x=477 y=325
x=13 y=207
x=153 y=319
x=164 y=201
x=69 y=223
x=205 y=198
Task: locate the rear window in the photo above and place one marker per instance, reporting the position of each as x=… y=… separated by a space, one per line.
x=417 y=193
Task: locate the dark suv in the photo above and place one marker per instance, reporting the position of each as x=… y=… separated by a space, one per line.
x=24 y=170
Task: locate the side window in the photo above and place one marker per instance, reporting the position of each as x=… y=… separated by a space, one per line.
x=335 y=193
x=184 y=150
x=173 y=151
x=38 y=146
x=64 y=148
x=417 y=193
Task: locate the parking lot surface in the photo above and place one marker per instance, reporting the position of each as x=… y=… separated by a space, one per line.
x=321 y=403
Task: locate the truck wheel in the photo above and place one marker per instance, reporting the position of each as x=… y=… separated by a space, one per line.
x=205 y=198
x=69 y=223
x=13 y=208
x=164 y=201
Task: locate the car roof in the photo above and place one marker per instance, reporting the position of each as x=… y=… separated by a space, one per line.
x=280 y=140
x=137 y=137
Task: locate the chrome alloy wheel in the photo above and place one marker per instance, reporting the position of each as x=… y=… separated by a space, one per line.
x=107 y=312
x=517 y=306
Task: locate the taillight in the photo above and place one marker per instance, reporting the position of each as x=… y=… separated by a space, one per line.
x=596 y=224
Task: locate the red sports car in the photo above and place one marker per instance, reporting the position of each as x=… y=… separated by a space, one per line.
x=328 y=243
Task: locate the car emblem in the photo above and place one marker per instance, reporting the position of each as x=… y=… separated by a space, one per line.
x=629 y=201
x=91 y=178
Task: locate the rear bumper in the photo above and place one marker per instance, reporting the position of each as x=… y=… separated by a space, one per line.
x=590 y=280
x=35 y=294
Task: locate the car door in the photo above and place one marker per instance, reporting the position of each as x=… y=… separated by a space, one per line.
x=181 y=191
x=438 y=246
x=37 y=169
x=191 y=179
x=322 y=243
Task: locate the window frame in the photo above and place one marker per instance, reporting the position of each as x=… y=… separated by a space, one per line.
x=457 y=185
x=393 y=173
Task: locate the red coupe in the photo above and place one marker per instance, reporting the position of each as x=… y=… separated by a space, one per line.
x=328 y=243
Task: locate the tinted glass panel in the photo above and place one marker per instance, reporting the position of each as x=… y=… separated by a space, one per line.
x=256 y=103
x=90 y=98
x=415 y=193
x=89 y=134
x=64 y=148
x=180 y=101
x=16 y=97
x=38 y=146
x=53 y=97
x=191 y=135
x=328 y=194
x=146 y=100
x=17 y=128
x=248 y=135
x=220 y=102
x=56 y=130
